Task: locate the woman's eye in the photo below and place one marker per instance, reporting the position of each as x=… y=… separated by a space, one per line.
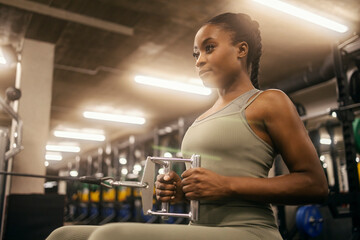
x=209 y=48
x=196 y=55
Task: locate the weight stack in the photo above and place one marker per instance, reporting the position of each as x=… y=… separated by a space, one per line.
x=33 y=216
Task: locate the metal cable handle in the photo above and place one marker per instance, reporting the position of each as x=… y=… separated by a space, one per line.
x=147 y=187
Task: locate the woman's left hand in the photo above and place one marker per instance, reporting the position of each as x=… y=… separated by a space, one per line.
x=203 y=184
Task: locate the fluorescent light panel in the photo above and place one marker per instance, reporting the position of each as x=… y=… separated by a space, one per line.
x=62 y=148
x=80 y=135
x=325 y=141
x=53 y=156
x=114 y=117
x=173 y=85
x=74 y=173
x=2 y=58
x=305 y=15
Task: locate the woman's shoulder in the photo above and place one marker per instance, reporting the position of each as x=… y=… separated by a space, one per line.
x=274 y=97
x=273 y=101
x=273 y=94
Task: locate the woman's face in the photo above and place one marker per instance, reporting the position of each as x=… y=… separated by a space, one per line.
x=217 y=59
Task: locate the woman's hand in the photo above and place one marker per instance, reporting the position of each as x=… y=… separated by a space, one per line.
x=200 y=183
x=168 y=188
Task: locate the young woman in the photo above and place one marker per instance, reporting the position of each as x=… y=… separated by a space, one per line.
x=237 y=138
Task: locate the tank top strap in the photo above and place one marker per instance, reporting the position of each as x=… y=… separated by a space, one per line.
x=251 y=100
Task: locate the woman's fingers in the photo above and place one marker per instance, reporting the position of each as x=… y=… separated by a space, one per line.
x=165 y=195
x=168 y=178
x=165 y=186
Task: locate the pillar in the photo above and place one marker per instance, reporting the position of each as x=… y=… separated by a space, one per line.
x=34 y=109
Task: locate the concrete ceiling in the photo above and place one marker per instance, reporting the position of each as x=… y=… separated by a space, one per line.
x=94 y=68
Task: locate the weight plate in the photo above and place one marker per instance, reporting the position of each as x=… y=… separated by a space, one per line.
x=309 y=220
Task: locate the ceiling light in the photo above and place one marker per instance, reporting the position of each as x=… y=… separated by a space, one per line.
x=80 y=135
x=122 y=161
x=305 y=15
x=2 y=58
x=114 y=117
x=326 y=141
x=74 y=173
x=53 y=156
x=8 y=55
x=62 y=148
x=173 y=85
x=137 y=167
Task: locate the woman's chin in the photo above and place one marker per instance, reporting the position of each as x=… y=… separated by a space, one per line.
x=208 y=83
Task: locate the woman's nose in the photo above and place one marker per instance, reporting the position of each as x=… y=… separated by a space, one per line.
x=200 y=61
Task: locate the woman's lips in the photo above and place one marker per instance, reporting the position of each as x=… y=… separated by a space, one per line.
x=202 y=72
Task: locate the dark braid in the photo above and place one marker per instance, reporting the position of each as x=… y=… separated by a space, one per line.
x=255 y=64
x=243 y=29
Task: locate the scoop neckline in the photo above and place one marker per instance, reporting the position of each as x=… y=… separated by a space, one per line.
x=227 y=105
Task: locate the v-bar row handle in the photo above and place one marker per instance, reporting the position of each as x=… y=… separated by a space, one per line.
x=147 y=193
x=147 y=186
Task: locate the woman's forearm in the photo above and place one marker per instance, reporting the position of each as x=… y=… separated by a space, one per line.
x=294 y=188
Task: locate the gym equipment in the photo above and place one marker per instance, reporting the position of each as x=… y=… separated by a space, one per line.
x=338 y=111
x=356 y=127
x=147 y=186
x=12 y=94
x=354 y=86
x=124 y=213
x=309 y=220
x=347 y=51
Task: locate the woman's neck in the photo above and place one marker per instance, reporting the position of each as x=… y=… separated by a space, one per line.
x=234 y=90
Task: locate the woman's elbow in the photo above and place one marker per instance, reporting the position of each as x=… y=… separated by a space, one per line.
x=321 y=192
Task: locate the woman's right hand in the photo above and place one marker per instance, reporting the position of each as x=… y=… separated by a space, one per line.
x=168 y=187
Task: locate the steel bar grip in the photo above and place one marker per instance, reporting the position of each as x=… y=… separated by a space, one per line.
x=165 y=205
x=194 y=204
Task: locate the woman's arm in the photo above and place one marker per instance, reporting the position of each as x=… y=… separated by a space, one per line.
x=306 y=182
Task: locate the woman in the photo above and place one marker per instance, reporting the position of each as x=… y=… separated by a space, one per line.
x=237 y=138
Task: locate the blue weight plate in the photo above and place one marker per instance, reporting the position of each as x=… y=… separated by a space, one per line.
x=309 y=220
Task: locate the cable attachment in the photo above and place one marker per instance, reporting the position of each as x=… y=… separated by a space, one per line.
x=106 y=182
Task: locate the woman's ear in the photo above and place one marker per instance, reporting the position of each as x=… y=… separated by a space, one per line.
x=243 y=49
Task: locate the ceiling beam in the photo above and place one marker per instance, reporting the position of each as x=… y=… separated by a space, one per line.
x=69 y=16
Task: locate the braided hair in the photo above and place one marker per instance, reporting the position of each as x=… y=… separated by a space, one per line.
x=243 y=29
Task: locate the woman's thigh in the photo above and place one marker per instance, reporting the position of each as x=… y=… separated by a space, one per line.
x=74 y=232
x=140 y=231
